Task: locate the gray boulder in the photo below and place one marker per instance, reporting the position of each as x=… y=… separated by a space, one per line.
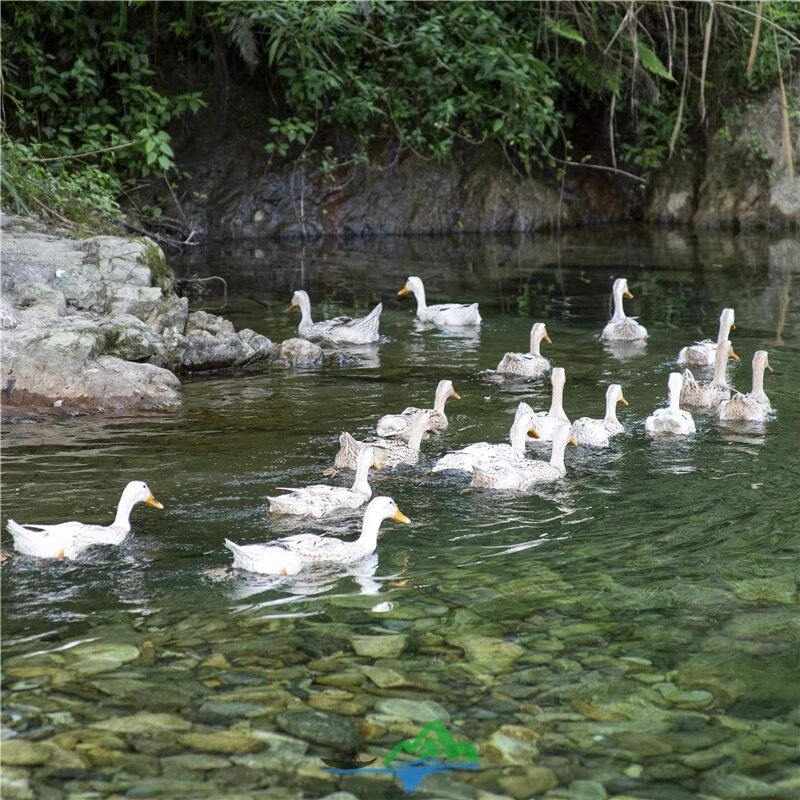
x=94 y=323
x=300 y=353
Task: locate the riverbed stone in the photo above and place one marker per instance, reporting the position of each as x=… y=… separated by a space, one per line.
x=416 y=710
x=325 y=728
x=495 y=655
x=528 y=782
x=221 y=742
x=23 y=753
x=144 y=722
x=385 y=678
x=194 y=761
x=382 y=646
x=512 y=744
x=96 y=657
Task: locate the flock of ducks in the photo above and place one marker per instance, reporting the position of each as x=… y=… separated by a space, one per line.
x=502 y=466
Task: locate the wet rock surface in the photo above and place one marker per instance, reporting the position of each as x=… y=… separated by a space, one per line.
x=94 y=324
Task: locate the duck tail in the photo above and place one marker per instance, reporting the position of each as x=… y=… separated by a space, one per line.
x=481 y=479
x=23 y=540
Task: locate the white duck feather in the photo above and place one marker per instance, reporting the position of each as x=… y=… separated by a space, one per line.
x=755 y=405
x=621 y=328
x=290 y=555
x=702 y=354
x=483 y=454
x=70 y=539
x=672 y=419
x=319 y=500
x=399 y=425
x=597 y=432
x=528 y=365
x=521 y=475
x=709 y=395
x=451 y=314
x=340 y=330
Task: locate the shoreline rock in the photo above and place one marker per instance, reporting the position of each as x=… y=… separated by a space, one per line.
x=94 y=324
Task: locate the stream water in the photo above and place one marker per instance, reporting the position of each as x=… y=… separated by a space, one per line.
x=633 y=630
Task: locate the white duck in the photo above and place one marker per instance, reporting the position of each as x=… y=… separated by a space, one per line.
x=529 y=365
x=671 y=419
x=483 y=453
x=289 y=555
x=318 y=500
x=70 y=539
x=520 y=475
x=455 y=314
x=709 y=395
x=398 y=425
x=547 y=421
x=388 y=452
x=340 y=330
x=597 y=432
x=701 y=354
x=621 y=328
x=754 y=406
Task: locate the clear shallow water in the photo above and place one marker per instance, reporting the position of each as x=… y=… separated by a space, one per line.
x=640 y=619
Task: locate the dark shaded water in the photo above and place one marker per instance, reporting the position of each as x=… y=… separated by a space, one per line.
x=635 y=626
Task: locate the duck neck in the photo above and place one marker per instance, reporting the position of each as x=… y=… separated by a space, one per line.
x=368 y=541
x=619 y=311
x=124 y=508
x=557 y=453
x=556 y=401
x=442 y=393
x=675 y=398
x=611 y=409
x=720 y=362
x=725 y=325
x=305 y=310
x=758 y=382
x=536 y=341
x=361 y=483
x=419 y=294
x=418 y=427
x=519 y=433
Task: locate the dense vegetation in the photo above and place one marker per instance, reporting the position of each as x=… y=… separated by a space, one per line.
x=91 y=90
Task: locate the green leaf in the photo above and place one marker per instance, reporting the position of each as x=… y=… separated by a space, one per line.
x=564 y=30
x=652 y=63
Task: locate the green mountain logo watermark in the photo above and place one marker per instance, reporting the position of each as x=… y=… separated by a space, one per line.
x=434 y=741
x=433 y=749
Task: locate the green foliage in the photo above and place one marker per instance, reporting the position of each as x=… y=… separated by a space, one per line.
x=77 y=192
x=347 y=81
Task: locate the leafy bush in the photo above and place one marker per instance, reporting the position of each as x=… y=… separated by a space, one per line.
x=342 y=79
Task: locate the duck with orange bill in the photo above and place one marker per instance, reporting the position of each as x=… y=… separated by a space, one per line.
x=70 y=539
x=528 y=365
x=672 y=419
x=701 y=394
x=589 y=432
x=451 y=314
x=483 y=454
x=399 y=425
x=319 y=500
x=339 y=330
x=702 y=354
x=521 y=475
x=621 y=328
x=753 y=406
x=290 y=555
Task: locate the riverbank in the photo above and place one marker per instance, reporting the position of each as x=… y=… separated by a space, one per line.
x=94 y=324
x=736 y=178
